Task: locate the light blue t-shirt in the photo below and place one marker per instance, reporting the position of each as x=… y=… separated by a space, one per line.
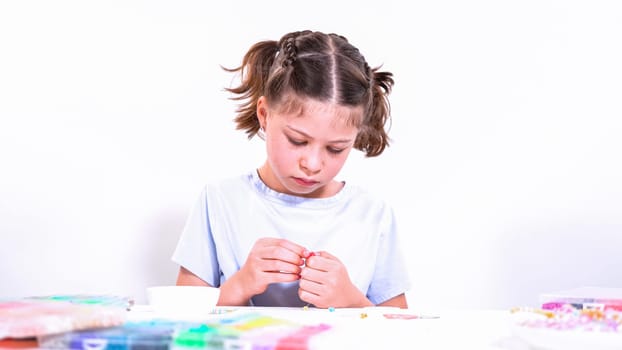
x=231 y=215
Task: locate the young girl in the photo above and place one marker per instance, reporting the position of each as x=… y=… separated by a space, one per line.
x=288 y=233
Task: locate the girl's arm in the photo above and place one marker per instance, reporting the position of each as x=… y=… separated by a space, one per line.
x=187 y=278
x=229 y=293
x=397 y=301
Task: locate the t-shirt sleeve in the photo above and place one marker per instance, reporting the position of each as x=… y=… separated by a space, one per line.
x=195 y=250
x=391 y=277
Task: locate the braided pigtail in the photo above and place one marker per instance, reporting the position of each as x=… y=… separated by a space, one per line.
x=373 y=137
x=254 y=73
x=289 y=51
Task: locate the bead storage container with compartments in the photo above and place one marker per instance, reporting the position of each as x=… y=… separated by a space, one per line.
x=39 y=315
x=592 y=298
x=574 y=319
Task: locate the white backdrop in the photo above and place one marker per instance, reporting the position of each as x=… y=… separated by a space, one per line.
x=505 y=167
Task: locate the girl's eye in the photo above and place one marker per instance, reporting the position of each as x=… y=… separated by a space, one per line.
x=334 y=150
x=296 y=142
x=302 y=143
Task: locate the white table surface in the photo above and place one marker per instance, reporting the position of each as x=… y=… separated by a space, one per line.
x=452 y=329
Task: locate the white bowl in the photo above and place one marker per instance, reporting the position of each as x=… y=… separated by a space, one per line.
x=183 y=300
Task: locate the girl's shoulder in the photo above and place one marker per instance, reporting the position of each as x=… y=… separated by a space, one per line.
x=372 y=198
x=229 y=184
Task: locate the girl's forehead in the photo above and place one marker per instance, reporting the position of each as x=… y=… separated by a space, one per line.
x=308 y=107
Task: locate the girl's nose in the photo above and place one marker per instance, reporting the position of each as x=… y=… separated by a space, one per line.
x=311 y=162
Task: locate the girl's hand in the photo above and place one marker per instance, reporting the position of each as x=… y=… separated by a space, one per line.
x=271 y=260
x=324 y=282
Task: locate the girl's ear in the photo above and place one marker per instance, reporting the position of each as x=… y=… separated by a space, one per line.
x=262 y=111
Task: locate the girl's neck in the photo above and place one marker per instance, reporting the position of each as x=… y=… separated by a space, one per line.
x=269 y=179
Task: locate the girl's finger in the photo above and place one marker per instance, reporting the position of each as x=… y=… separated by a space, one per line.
x=275 y=265
x=310 y=286
x=312 y=274
x=319 y=262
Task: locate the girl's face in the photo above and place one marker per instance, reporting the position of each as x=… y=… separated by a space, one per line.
x=306 y=146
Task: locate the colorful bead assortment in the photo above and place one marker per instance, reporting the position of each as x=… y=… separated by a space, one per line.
x=238 y=331
x=568 y=317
